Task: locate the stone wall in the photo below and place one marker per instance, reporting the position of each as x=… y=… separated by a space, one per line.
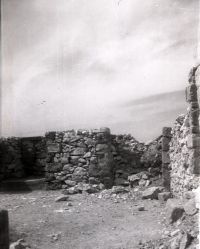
x=82 y=156
x=22 y=157
x=71 y=157
x=166 y=138
x=183 y=177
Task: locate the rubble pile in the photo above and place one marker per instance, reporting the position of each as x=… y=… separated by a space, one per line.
x=181 y=218
x=152 y=156
x=127 y=152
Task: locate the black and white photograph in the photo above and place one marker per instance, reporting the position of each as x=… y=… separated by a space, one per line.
x=99 y=124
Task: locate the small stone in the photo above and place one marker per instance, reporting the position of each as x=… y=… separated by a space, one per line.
x=78 y=151
x=62 y=198
x=141 y=208
x=145 y=176
x=174 y=210
x=70 y=183
x=190 y=207
x=101 y=186
x=189 y=195
x=142 y=182
x=185 y=241
x=151 y=193
x=133 y=179
x=87 y=155
x=147 y=183
x=174 y=233
x=118 y=189
x=70 y=191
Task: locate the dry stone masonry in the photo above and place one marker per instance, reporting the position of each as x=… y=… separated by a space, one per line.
x=69 y=158
x=166 y=138
x=185 y=144
x=82 y=156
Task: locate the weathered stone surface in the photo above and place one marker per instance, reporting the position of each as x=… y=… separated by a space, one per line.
x=174 y=210
x=70 y=183
x=133 y=179
x=151 y=193
x=64 y=160
x=87 y=155
x=165 y=143
x=185 y=241
x=94 y=170
x=164 y=196
x=193 y=141
x=54 y=167
x=78 y=152
x=190 y=207
x=121 y=181
x=93 y=180
x=102 y=147
x=119 y=189
x=166 y=132
x=70 y=191
x=79 y=174
x=165 y=157
x=183 y=160
x=88 y=188
x=53 y=147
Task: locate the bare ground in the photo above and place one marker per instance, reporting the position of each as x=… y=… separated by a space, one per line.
x=90 y=223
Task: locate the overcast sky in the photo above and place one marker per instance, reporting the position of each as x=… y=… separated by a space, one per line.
x=74 y=63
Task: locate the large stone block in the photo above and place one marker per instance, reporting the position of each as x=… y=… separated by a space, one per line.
x=166 y=178
x=80 y=151
x=195 y=164
x=194 y=129
x=94 y=170
x=54 y=167
x=79 y=174
x=151 y=193
x=165 y=143
x=190 y=207
x=193 y=141
x=166 y=132
x=191 y=93
x=165 y=157
x=53 y=148
x=102 y=147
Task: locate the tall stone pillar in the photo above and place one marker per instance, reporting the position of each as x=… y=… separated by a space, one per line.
x=193 y=141
x=4 y=230
x=166 y=138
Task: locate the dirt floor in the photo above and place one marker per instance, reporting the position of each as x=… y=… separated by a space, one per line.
x=83 y=222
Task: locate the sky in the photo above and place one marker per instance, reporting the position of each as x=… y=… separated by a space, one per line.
x=80 y=63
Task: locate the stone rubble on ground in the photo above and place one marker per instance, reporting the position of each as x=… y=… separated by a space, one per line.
x=20 y=244
x=152 y=193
